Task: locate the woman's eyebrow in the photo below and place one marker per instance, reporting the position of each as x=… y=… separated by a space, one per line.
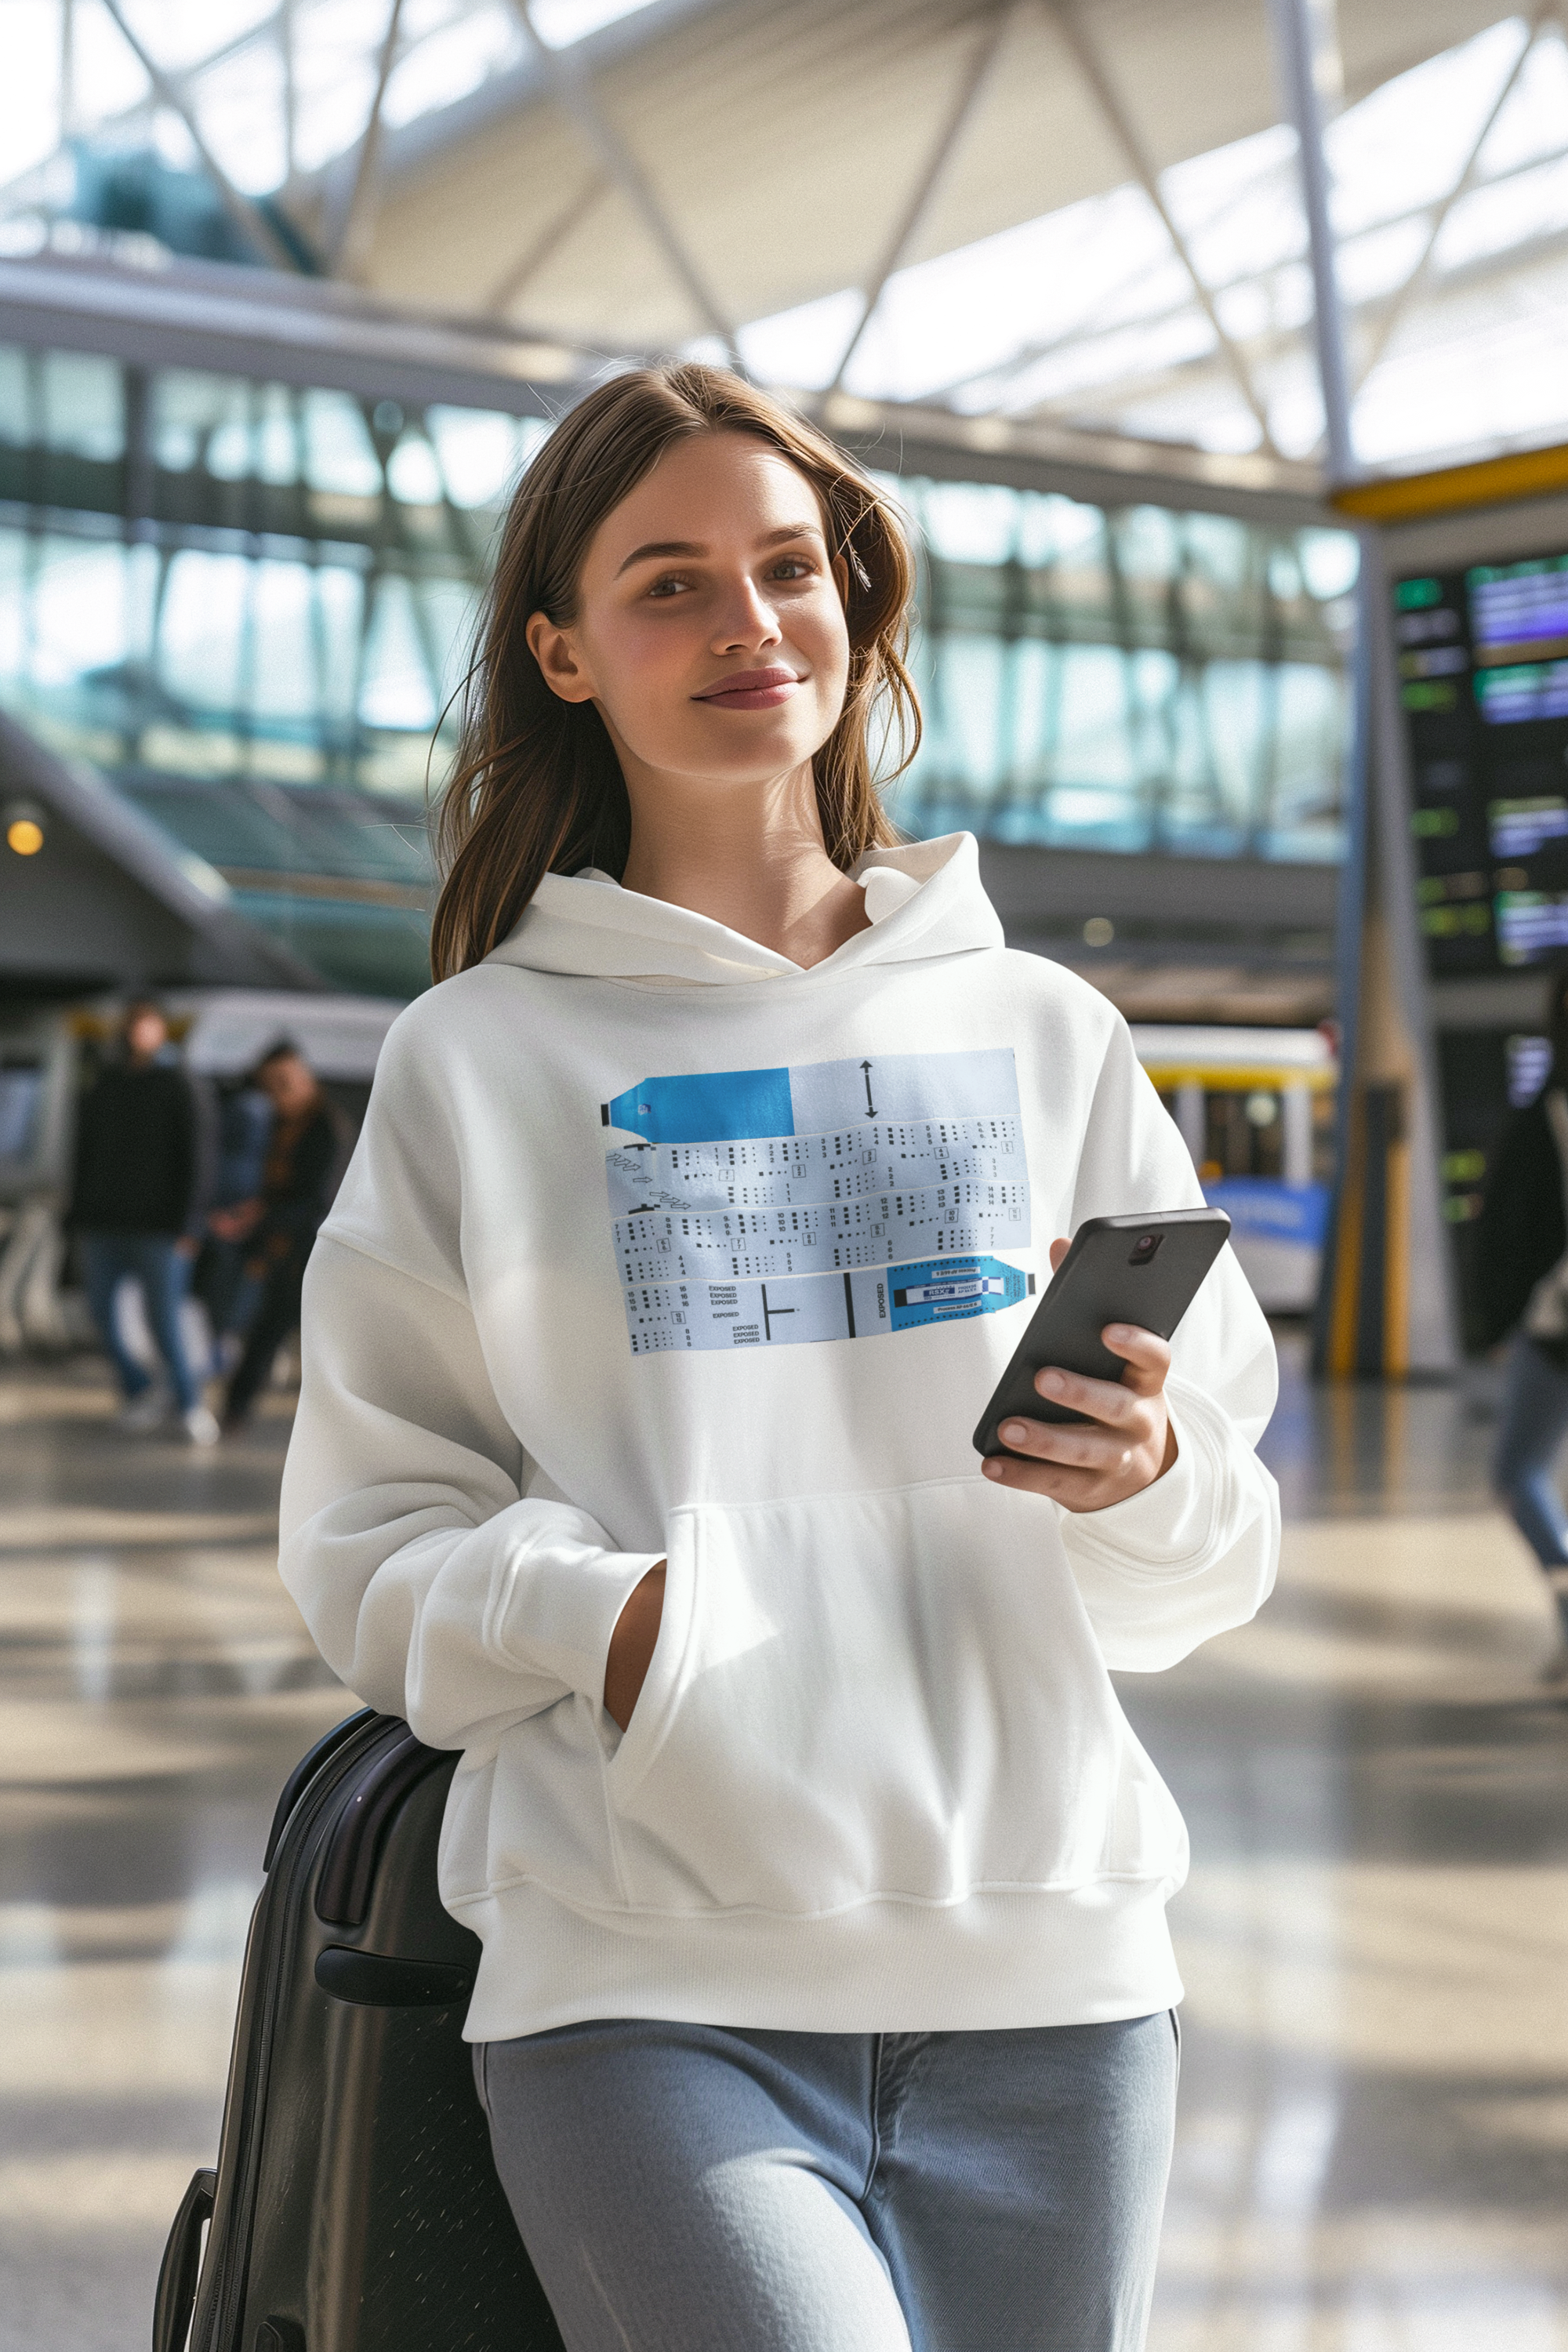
x=658 y=547
x=658 y=550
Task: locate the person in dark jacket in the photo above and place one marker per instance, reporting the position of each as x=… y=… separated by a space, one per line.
x=1521 y=1269
x=135 y=1205
x=305 y=1157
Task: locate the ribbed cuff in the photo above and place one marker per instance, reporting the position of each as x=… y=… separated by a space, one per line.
x=1168 y=1526
x=559 y=1605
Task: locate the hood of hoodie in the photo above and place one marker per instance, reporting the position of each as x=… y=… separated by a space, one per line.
x=587 y=925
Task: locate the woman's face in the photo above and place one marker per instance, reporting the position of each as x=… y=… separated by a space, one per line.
x=710 y=628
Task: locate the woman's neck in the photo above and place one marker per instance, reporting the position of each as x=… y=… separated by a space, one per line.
x=752 y=859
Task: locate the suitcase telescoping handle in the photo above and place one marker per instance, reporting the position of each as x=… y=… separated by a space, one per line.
x=181 y=2261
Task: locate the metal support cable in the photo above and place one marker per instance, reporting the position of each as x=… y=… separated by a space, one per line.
x=247 y=216
x=347 y=246
x=1121 y=124
x=177 y=79
x=1069 y=335
x=539 y=249
x=569 y=86
x=1360 y=306
x=1397 y=302
x=970 y=83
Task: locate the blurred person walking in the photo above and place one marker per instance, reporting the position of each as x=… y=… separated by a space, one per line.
x=1522 y=1265
x=135 y=1206
x=221 y=1281
x=305 y=1154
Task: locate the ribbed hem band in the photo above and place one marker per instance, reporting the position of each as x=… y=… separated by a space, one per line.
x=1077 y=1957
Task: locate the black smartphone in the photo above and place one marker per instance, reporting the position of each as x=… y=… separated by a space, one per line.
x=1142 y=1270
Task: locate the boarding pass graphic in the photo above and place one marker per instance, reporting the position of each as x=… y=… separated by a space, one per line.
x=829 y=1200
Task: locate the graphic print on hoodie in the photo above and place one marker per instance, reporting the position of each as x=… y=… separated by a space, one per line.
x=833 y=1201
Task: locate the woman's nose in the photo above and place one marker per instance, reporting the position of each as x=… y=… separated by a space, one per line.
x=748 y=619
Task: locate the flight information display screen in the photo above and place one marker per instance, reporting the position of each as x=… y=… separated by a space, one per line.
x=1483 y=665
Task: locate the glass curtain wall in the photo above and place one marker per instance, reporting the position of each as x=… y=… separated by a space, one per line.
x=248 y=606
x=1129 y=680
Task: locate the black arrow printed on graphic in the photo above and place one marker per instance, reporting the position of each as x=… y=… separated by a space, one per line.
x=870 y=1105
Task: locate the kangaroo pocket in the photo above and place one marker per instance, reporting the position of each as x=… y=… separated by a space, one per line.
x=894 y=1693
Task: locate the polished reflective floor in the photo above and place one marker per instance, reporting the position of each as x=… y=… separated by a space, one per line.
x=1374 y=2143
x=155 y=1686
x=1373 y=2150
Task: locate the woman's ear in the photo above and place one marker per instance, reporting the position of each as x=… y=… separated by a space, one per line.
x=555 y=651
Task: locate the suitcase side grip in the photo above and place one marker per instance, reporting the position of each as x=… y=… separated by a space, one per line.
x=181 y=2261
x=375 y=1980
x=348 y=1867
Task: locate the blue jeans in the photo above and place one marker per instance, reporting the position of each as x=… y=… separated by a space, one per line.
x=691 y=2189
x=153 y=1261
x=1531 y=1425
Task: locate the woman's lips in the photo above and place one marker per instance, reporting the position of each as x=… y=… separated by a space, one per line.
x=751 y=689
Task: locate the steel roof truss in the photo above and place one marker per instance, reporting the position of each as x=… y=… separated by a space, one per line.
x=570 y=87
x=1396 y=302
x=1121 y=126
x=247 y=217
x=348 y=247
x=970 y=83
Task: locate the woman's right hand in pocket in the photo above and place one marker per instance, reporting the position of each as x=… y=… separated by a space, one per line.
x=631 y=1646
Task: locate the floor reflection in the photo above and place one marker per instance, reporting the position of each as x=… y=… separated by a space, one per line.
x=157 y=1686
x=1373 y=2143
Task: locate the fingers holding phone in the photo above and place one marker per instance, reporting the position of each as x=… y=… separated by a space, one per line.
x=1125 y=1442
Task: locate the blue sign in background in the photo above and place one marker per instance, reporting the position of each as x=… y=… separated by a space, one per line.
x=1260 y=1208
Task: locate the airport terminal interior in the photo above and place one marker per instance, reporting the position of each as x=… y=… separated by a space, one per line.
x=1214 y=351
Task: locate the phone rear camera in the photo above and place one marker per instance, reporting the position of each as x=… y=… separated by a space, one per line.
x=1143 y=1248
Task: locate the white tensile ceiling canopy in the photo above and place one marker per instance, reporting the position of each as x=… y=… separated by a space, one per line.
x=1073 y=212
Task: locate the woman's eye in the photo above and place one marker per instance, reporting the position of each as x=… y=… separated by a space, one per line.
x=795 y=567
x=670 y=584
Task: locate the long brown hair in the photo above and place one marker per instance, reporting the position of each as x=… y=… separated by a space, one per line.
x=537 y=788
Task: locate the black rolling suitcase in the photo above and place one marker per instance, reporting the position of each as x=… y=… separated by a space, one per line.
x=355 y=2207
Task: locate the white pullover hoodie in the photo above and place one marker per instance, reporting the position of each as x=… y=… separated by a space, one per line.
x=655 y=1246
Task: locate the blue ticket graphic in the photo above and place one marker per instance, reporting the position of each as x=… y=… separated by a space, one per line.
x=817 y=1097
x=862 y=1306
x=825 y=1201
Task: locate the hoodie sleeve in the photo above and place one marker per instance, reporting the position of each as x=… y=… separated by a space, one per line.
x=1196 y=1552
x=433 y=1582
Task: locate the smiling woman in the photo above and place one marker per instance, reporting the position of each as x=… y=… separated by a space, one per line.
x=820 y=1881
x=679 y=529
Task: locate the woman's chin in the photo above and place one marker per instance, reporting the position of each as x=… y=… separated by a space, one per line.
x=749 y=762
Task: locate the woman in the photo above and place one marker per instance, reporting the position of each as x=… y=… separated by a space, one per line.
x=1521 y=1295
x=826 y=1994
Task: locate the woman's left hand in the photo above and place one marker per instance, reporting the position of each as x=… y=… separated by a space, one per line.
x=1126 y=1444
